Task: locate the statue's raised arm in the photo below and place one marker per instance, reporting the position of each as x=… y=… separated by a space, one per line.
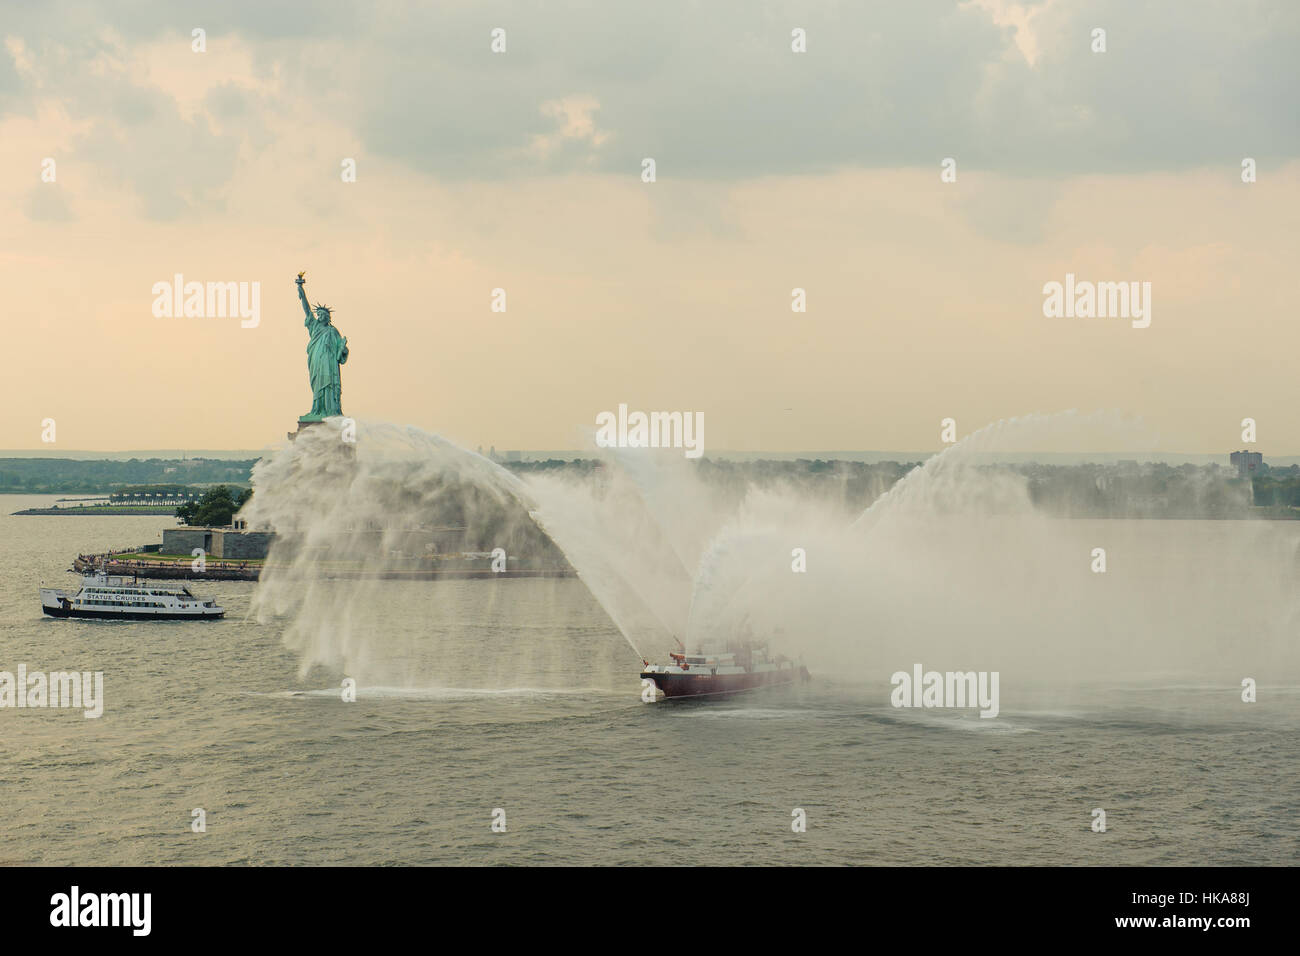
x=302 y=297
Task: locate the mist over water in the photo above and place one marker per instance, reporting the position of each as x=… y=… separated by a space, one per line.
x=636 y=531
x=344 y=513
x=954 y=568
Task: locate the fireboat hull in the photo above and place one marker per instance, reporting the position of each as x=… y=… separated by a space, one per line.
x=716 y=685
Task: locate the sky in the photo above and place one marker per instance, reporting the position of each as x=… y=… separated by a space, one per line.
x=775 y=170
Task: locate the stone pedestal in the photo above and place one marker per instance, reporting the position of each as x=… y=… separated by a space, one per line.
x=349 y=447
x=302 y=426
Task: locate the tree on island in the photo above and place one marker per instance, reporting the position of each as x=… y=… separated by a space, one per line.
x=216 y=508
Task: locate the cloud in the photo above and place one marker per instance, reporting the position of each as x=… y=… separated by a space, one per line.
x=46 y=203
x=9 y=81
x=715 y=91
x=1020 y=18
x=175 y=166
x=575 y=125
x=711 y=91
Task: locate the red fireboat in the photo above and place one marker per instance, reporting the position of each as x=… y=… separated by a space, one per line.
x=735 y=667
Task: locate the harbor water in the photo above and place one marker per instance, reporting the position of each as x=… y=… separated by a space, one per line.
x=517 y=703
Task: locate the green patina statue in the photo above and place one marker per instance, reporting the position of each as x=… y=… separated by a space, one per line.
x=326 y=351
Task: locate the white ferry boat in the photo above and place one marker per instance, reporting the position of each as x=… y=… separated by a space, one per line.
x=108 y=596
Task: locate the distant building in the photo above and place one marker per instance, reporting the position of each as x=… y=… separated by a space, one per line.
x=220 y=543
x=1247 y=463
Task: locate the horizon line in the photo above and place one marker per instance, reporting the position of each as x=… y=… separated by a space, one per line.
x=177 y=454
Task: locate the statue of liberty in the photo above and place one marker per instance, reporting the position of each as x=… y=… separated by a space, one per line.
x=326 y=351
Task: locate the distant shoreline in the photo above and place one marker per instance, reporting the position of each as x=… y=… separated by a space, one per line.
x=866 y=455
x=133 y=511
x=181 y=568
x=102 y=511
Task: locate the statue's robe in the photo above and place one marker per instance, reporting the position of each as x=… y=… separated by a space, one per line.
x=325 y=353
